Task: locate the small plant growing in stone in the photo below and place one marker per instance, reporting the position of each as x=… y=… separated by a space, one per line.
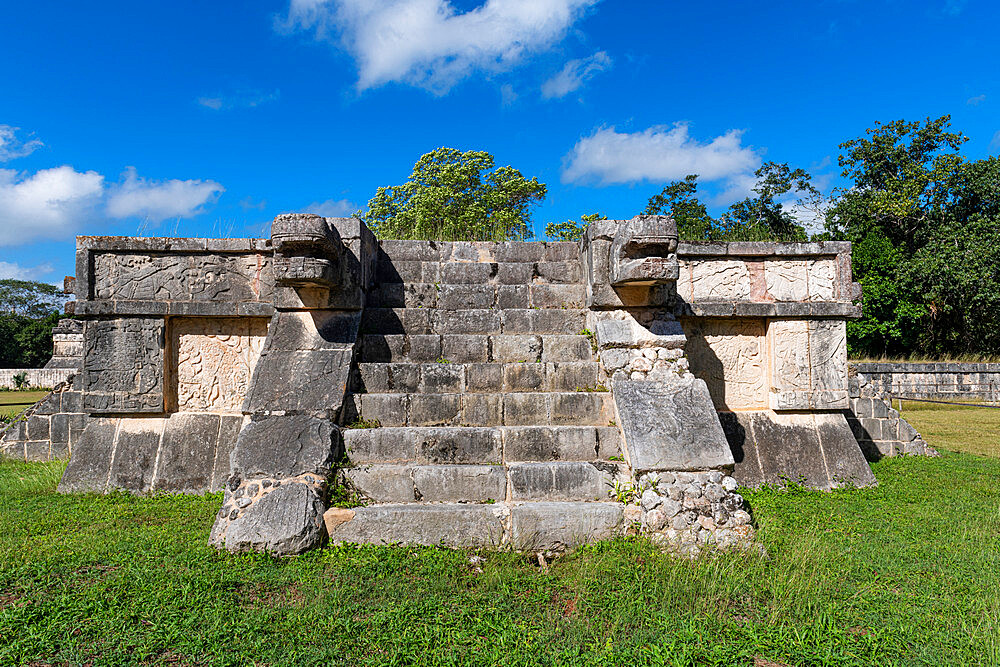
x=593 y=388
x=591 y=337
x=361 y=422
x=616 y=458
x=442 y=360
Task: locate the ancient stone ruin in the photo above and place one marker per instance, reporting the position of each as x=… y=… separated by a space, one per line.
x=525 y=394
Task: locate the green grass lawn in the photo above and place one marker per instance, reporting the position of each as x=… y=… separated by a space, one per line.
x=904 y=574
x=13 y=402
x=956 y=428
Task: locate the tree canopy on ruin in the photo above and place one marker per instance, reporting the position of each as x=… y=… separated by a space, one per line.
x=456 y=196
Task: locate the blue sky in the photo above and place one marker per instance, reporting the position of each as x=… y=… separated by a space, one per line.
x=208 y=118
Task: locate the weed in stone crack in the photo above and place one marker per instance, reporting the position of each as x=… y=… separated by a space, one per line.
x=361 y=422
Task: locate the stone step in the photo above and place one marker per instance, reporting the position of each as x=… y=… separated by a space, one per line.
x=470 y=483
x=466 y=296
x=482 y=445
x=412 y=321
x=475 y=348
x=530 y=526
x=400 y=252
x=460 y=378
x=517 y=409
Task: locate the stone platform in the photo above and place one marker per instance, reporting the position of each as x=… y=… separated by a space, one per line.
x=525 y=394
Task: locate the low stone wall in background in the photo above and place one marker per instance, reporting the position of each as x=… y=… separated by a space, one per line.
x=878 y=427
x=938 y=380
x=37 y=377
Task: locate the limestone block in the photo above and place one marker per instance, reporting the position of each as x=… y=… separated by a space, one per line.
x=213 y=360
x=313 y=381
x=446 y=524
x=716 y=279
x=822 y=279
x=134 y=461
x=281 y=446
x=670 y=425
x=790 y=356
x=560 y=525
x=90 y=462
x=787 y=280
x=569 y=480
x=186 y=461
x=730 y=356
x=828 y=355
x=123 y=365
x=288 y=520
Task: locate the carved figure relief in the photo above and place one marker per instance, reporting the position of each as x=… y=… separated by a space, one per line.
x=790 y=355
x=213 y=360
x=787 y=279
x=181 y=277
x=718 y=279
x=822 y=276
x=123 y=365
x=730 y=356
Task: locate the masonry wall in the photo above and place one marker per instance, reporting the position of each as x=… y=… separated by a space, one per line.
x=938 y=380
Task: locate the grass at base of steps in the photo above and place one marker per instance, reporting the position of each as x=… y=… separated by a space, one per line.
x=907 y=573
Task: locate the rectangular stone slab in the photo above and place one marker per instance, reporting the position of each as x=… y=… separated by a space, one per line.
x=670 y=425
x=123 y=365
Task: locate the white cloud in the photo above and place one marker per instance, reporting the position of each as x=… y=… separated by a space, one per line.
x=50 y=203
x=995 y=141
x=159 y=200
x=332 y=208
x=574 y=74
x=18 y=272
x=11 y=146
x=976 y=101
x=243 y=99
x=507 y=95
x=659 y=154
x=427 y=43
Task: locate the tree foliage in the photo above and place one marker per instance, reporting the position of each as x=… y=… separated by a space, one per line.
x=28 y=312
x=571 y=230
x=456 y=196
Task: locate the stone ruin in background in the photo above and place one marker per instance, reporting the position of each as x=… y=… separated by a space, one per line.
x=524 y=394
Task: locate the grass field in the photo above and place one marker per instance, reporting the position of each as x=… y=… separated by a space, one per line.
x=956 y=428
x=907 y=573
x=13 y=402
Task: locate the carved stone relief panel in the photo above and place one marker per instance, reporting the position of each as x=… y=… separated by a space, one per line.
x=828 y=354
x=790 y=363
x=123 y=365
x=717 y=279
x=822 y=279
x=182 y=277
x=730 y=355
x=213 y=360
x=787 y=279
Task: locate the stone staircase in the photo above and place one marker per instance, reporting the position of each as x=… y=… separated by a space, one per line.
x=480 y=413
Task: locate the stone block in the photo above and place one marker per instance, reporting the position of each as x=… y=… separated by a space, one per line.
x=610 y=443
x=71 y=401
x=516 y=348
x=465 y=348
x=458 y=297
x=450 y=525
x=564 y=480
x=406 y=250
x=520 y=252
x=435 y=409
x=134 y=461
x=581 y=408
x=187 y=453
x=282 y=446
x=38 y=428
x=561 y=251
x=371 y=378
x=525 y=409
x=387 y=409
x=286 y=521
x=313 y=381
x=515 y=273
x=571 y=376
x=576 y=443
x=530 y=443
x=557 y=296
x=90 y=462
x=403 y=378
x=524 y=377
x=383 y=483
x=561 y=525
x=474 y=273
x=36 y=451
x=484 y=377
x=513 y=296
x=556 y=348
x=229 y=433
x=559 y=272
x=471 y=321
x=460 y=483
x=442 y=379
x=59 y=429
x=730 y=355
x=671 y=425
x=482 y=409
x=457 y=445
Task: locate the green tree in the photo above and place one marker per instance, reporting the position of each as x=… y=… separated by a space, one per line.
x=571 y=230
x=28 y=312
x=30 y=298
x=762 y=217
x=456 y=196
x=678 y=200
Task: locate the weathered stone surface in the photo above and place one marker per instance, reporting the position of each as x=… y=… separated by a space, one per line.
x=91 y=460
x=561 y=525
x=288 y=520
x=285 y=446
x=670 y=425
x=563 y=480
x=123 y=365
x=134 y=462
x=187 y=454
x=730 y=356
x=213 y=361
x=445 y=524
x=643 y=252
x=817 y=450
x=308 y=380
